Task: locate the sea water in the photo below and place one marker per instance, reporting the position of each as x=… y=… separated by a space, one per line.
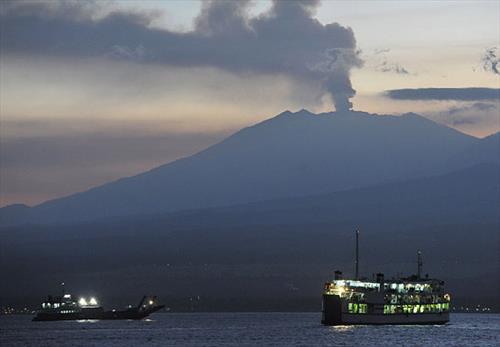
x=245 y=329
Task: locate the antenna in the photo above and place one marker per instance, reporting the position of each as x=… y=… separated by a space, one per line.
x=419 y=264
x=357 y=254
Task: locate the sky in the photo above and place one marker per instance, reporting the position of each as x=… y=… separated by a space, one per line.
x=94 y=91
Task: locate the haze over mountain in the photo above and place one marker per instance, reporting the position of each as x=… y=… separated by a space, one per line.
x=256 y=221
x=292 y=154
x=271 y=254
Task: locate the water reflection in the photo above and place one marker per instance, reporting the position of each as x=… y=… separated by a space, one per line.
x=342 y=328
x=88 y=320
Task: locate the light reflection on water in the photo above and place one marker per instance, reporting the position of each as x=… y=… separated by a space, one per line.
x=245 y=329
x=87 y=320
x=340 y=328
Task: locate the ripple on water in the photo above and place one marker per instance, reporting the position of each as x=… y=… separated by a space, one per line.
x=245 y=329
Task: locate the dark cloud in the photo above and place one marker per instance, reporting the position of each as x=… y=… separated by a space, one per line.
x=71 y=10
x=385 y=65
x=490 y=60
x=459 y=94
x=464 y=121
x=286 y=40
x=467 y=114
x=477 y=106
x=381 y=50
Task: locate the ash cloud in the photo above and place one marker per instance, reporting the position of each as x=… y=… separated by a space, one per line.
x=385 y=65
x=468 y=114
x=477 y=106
x=287 y=40
x=490 y=60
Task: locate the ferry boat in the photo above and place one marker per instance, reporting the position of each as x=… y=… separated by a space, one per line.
x=66 y=308
x=410 y=300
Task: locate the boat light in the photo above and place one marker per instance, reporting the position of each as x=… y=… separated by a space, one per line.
x=151 y=302
x=82 y=302
x=93 y=302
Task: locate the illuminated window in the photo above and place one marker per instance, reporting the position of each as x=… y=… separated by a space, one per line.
x=363 y=308
x=352 y=307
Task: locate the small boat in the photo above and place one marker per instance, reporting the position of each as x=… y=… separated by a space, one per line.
x=66 y=308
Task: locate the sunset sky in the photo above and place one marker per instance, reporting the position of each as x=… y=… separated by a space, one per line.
x=83 y=101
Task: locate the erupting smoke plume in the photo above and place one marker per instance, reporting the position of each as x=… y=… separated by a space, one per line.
x=490 y=60
x=286 y=40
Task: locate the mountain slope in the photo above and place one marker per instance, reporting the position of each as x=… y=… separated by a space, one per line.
x=485 y=150
x=465 y=196
x=256 y=249
x=292 y=154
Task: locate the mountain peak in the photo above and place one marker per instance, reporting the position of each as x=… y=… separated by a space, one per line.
x=304 y=112
x=292 y=154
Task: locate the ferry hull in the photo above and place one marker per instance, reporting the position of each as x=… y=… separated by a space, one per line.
x=333 y=315
x=97 y=314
